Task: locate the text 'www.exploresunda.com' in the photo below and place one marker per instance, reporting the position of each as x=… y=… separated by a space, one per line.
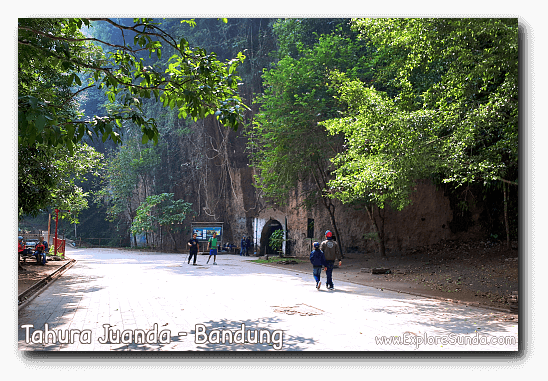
x=412 y=339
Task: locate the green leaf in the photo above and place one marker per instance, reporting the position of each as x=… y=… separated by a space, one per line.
x=40 y=123
x=76 y=79
x=183 y=43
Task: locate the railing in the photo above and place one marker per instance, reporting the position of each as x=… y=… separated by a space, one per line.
x=59 y=247
x=98 y=242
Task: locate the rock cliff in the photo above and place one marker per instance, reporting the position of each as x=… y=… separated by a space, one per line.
x=218 y=179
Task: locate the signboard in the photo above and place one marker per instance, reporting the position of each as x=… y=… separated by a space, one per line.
x=204 y=233
x=310 y=228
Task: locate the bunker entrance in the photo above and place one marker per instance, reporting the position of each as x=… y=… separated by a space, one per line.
x=270 y=227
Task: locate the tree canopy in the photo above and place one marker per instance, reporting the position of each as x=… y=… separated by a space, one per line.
x=60 y=62
x=57 y=62
x=448 y=104
x=288 y=144
x=158 y=211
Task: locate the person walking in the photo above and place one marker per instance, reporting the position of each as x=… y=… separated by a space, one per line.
x=194 y=247
x=242 y=246
x=332 y=253
x=212 y=247
x=317 y=258
x=247 y=246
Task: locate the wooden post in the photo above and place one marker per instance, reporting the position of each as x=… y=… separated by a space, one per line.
x=49 y=230
x=506 y=215
x=55 y=240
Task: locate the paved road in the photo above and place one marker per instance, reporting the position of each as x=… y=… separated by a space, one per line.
x=151 y=302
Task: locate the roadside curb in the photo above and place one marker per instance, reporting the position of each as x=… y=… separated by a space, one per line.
x=29 y=294
x=454 y=301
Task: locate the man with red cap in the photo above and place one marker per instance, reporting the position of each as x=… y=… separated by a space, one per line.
x=332 y=253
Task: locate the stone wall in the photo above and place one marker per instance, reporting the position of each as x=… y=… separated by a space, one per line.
x=424 y=222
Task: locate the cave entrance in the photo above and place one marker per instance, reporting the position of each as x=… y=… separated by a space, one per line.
x=270 y=227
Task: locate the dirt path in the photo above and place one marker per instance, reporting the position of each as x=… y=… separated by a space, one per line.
x=34 y=273
x=480 y=273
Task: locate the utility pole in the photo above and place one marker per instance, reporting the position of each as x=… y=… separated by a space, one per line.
x=55 y=240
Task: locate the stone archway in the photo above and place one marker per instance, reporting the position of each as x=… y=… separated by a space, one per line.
x=269 y=227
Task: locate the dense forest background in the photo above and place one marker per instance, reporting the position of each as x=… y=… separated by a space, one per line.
x=350 y=112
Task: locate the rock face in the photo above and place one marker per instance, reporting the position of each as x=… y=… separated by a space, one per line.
x=424 y=222
x=223 y=191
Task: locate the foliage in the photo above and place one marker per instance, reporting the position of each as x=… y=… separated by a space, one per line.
x=70 y=170
x=129 y=166
x=277 y=239
x=194 y=81
x=452 y=108
x=466 y=72
x=171 y=164
x=159 y=210
x=287 y=144
x=386 y=148
x=53 y=176
x=35 y=166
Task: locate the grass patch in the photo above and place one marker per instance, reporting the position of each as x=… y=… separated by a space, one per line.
x=277 y=260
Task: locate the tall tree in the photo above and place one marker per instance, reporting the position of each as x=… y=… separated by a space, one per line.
x=287 y=143
x=128 y=169
x=386 y=150
x=466 y=70
x=160 y=211
x=447 y=102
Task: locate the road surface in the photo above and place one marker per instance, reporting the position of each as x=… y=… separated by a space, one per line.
x=115 y=300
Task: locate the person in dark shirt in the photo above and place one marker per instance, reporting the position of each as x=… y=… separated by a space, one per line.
x=247 y=246
x=242 y=246
x=194 y=248
x=332 y=253
x=317 y=258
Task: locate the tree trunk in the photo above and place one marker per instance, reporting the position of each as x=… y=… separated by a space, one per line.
x=506 y=214
x=379 y=231
x=331 y=210
x=320 y=178
x=172 y=239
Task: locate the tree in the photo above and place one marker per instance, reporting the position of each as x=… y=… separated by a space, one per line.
x=194 y=81
x=58 y=63
x=277 y=240
x=160 y=211
x=71 y=170
x=127 y=169
x=35 y=166
x=467 y=71
x=288 y=145
x=446 y=104
x=386 y=150
x=52 y=176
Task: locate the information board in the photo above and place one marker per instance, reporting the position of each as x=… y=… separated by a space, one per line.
x=204 y=233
